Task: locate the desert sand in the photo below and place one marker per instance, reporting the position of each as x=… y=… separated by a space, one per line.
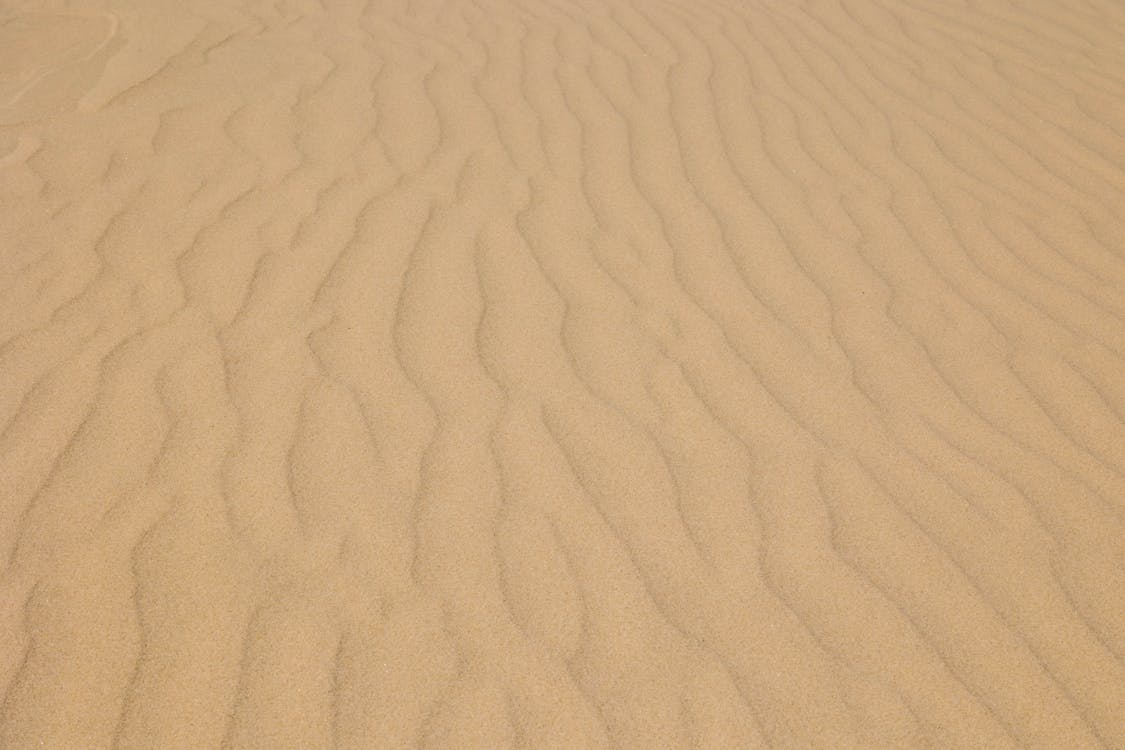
x=562 y=374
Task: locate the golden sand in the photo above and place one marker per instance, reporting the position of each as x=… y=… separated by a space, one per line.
x=562 y=374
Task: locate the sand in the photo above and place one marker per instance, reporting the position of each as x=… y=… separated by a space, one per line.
x=562 y=374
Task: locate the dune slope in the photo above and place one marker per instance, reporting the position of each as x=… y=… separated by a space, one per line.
x=562 y=374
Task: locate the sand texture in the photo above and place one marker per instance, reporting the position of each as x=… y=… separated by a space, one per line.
x=562 y=374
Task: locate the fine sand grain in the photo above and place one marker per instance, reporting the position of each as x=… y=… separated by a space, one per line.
x=562 y=374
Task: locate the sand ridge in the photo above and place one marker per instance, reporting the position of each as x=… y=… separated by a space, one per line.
x=562 y=374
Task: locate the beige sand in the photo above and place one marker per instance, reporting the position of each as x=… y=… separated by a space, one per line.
x=562 y=374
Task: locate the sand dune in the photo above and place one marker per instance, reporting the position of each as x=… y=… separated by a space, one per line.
x=562 y=374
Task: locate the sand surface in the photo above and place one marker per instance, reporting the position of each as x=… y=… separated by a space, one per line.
x=562 y=374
